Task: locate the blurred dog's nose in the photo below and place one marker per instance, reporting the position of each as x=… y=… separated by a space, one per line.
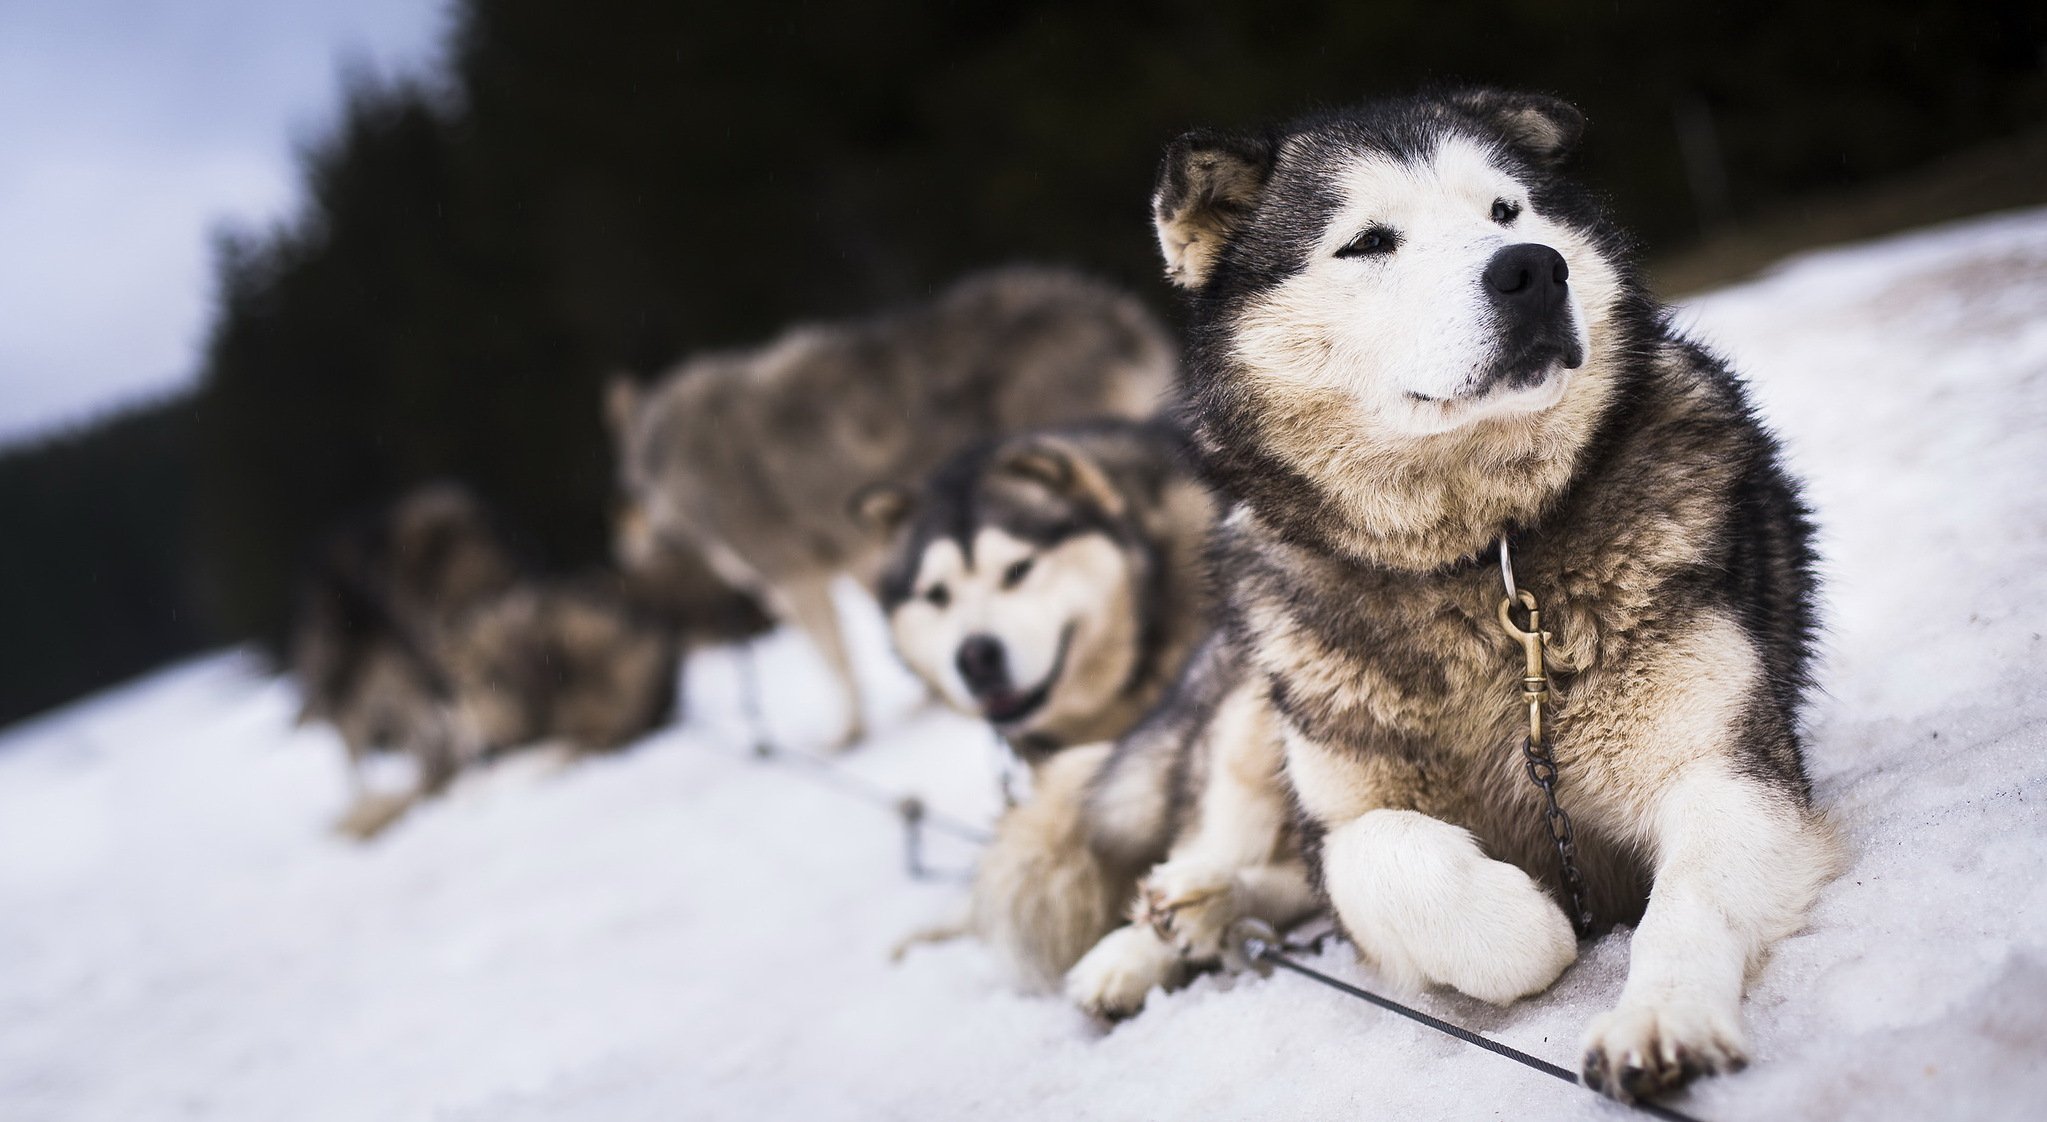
x=1528 y=277
x=983 y=665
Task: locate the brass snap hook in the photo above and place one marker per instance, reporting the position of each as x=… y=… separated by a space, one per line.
x=1534 y=675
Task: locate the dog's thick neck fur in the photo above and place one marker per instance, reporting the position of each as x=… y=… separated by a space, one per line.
x=1407 y=503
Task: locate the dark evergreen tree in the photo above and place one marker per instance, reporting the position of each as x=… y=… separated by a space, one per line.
x=606 y=186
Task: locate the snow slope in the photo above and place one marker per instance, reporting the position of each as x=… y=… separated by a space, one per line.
x=682 y=932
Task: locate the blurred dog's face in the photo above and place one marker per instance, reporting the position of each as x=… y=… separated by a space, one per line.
x=445 y=554
x=1028 y=634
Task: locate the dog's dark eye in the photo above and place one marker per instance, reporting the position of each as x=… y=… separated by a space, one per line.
x=1505 y=212
x=1017 y=571
x=1373 y=241
x=938 y=596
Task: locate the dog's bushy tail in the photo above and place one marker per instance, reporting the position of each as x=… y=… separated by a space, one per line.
x=1042 y=895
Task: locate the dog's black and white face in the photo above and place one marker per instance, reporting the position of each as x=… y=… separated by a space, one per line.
x=1414 y=261
x=1010 y=591
x=998 y=624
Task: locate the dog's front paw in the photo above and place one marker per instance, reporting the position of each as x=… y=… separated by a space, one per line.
x=1190 y=907
x=1639 y=1051
x=1428 y=907
x=1112 y=979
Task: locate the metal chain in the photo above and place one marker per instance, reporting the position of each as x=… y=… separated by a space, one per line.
x=1542 y=769
x=1535 y=750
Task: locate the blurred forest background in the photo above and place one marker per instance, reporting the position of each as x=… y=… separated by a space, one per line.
x=605 y=186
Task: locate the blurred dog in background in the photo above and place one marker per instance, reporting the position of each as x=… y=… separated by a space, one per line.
x=421 y=634
x=375 y=610
x=753 y=457
x=1051 y=583
x=566 y=661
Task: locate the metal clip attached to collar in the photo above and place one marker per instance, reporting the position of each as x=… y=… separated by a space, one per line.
x=1535 y=749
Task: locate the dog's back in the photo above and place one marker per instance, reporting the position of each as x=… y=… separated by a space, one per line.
x=759 y=453
x=568 y=661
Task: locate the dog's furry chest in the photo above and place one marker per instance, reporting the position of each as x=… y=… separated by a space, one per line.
x=1412 y=677
x=1409 y=664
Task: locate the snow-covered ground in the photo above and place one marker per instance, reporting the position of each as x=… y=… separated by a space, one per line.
x=682 y=932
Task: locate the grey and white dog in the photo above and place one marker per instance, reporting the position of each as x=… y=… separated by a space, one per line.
x=376 y=607
x=1053 y=584
x=420 y=633
x=754 y=456
x=1413 y=338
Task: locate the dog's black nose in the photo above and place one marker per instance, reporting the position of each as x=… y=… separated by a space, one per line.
x=983 y=665
x=1528 y=276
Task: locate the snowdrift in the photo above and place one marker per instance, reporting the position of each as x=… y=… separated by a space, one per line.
x=684 y=932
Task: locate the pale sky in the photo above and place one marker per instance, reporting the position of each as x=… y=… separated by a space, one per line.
x=129 y=131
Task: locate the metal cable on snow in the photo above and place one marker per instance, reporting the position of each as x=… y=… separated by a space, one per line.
x=1257 y=943
x=909 y=809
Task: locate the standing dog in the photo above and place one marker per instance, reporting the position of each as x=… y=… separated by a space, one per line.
x=753 y=457
x=1051 y=583
x=1414 y=338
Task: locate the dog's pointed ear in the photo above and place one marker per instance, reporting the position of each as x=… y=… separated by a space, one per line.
x=1065 y=470
x=1544 y=128
x=1207 y=188
x=621 y=402
x=882 y=508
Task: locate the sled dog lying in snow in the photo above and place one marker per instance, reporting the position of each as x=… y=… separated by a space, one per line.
x=374 y=610
x=1413 y=337
x=753 y=456
x=1051 y=583
x=567 y=661
x=420 y=634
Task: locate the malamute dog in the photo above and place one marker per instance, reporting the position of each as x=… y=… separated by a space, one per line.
x=569 y=662
x=753 y=456
x=376 y=608
x=1051 y=582
x=421 y=633
x=1418 y=347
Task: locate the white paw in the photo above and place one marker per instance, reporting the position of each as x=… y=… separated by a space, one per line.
x=1642 y=1050
x=1113 y=979
x=1190 y=906
x=1421 y=900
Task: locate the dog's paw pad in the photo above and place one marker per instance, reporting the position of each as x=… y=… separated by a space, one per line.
x=1640 y=1052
